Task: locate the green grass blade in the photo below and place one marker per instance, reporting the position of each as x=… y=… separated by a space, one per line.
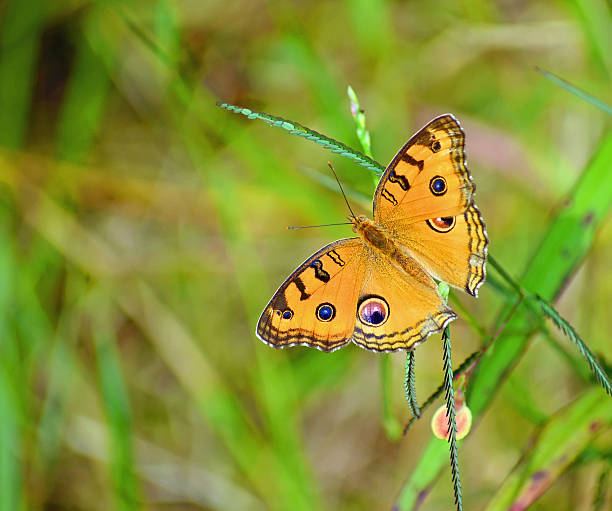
x=595 y=18
x=564 y=326
x=61 y=372
x=20 y=31
x=118 y=414
x=10 y=446
x=12 y=385
x=87 y=89
x=576 y=91
x=553 y=449
x=603 y=487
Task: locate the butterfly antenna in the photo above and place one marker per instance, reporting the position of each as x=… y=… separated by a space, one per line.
x=294 y=227
x=341 y=189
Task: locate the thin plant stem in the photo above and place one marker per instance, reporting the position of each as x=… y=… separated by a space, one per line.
x=295 y=128
x=410 y=387
x=450 y=413
x=438 y=392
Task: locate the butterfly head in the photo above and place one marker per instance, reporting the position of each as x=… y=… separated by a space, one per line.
x=359 y=222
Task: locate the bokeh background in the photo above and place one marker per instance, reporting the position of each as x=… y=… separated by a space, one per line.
x=143 y=230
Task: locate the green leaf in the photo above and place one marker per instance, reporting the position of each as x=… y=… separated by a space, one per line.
x=553 y=448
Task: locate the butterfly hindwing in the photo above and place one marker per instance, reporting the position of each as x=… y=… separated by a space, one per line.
x=316 y=305
x=452 y=249
x=399 y=306
x=428 y=177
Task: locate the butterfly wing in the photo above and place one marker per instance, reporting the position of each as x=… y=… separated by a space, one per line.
x=316 y=305
x=425 y=199
x=399 y=306
x=452 y=249
x=428 y=177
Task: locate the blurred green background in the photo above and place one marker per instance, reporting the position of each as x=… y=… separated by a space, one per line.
x=143 y=231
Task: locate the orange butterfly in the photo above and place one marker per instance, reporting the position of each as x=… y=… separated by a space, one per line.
x=377 y=289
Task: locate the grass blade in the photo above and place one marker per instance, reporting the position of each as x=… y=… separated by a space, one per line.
x=360 y=123
x=10 y=446
x=13 y=385
x=20 y=32
x=118 y=413
x=576 y=91
x=603 y=487
x=88 y=87
x=552 y=450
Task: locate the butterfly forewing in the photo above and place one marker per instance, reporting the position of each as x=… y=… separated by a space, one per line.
x=316 y=305
x=428 y=178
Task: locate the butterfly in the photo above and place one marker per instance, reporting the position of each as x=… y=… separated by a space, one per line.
x=378 y=289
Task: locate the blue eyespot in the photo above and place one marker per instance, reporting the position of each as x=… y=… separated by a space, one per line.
x=287 y=314
x=373 y=311
x=326 y=312
x=438 y=185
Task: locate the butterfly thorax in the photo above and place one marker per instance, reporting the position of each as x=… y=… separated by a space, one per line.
x=383 y=245
x=374 y=235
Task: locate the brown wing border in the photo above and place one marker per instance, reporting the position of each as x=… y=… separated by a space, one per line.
x=408 y=338
x=479 y=245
